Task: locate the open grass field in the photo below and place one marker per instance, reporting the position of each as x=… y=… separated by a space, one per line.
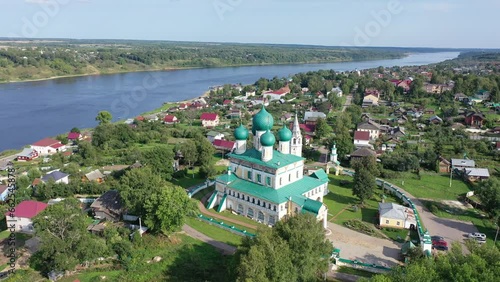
x=214 y=232
x=432 y=185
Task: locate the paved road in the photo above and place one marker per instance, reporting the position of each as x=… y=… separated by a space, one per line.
x=223 y=247
x=5 y=160
x=452 y=230
x=354 y=245
x=347 y=102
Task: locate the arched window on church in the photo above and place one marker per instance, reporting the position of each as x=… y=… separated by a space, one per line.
x=260 y=216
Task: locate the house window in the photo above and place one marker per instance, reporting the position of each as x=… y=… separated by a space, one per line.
x=281 y=207
x=268 y=181
x=249 y=175
x=250 y=213
x=274 y=208
x=259 y=178
x=272 y=220
x=260 y=216
x=240 y=208
x=297 y=174
x=387 y=222
x=397 y=223
x=280 y=180
x=258 y=202
x=289 y=177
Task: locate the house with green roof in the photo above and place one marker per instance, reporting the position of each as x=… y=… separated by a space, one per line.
x=267 y=183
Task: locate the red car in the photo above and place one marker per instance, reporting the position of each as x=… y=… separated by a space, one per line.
x=440 y=245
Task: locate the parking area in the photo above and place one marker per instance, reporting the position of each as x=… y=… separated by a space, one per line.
x=357 y=246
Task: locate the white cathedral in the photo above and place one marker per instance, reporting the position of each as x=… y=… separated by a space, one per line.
x=268 y=185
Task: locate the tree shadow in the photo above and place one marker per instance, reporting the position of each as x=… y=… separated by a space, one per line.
x=369 y=215
x=200 y=263
x=372 y=259
x=341 y=199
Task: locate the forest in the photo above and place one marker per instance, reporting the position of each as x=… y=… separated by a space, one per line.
x=46 y=59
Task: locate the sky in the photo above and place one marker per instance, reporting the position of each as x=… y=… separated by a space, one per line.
x=397 y=23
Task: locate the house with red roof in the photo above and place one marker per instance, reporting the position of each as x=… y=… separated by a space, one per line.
x=209 y=119
x=27 y=155
x=227 y=102
x=48 y=146
x=23 y=214
x=73 y=136
x=276 y=94
x=361 y=138
x=224 y=145
x=170 y=119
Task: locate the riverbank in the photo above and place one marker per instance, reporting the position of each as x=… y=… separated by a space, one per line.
x=173 y=68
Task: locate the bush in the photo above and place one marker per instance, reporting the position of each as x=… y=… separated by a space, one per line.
x=358 y=225
x=433 y=208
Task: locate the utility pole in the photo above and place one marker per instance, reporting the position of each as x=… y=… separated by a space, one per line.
x=451 y=175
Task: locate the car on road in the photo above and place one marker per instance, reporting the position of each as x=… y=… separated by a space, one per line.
x=477 y=236
x=440 y=245
x=437 y=238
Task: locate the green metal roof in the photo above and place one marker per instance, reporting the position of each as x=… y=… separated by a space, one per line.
x=320 y=174
x=281 y=195
x=279 y=159
x=226 y=178
x=311 y=206
x=213 y=133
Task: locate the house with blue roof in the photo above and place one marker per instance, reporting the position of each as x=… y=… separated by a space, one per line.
x=265 y=184
x=57 y=176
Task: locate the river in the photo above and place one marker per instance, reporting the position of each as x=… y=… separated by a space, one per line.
x=30 y=111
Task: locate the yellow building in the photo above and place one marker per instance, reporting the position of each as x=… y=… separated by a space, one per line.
x=396 y=216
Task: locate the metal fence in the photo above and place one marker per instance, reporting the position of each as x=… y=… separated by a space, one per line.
x=225 y=226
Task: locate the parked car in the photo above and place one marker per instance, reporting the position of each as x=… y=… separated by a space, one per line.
x=477 y=236
x=440 y=245
x=437 y=238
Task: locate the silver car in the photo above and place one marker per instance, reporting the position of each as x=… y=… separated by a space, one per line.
x=477 y=236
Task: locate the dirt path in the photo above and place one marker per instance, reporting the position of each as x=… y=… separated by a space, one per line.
x=223 y=247
x=204 y=210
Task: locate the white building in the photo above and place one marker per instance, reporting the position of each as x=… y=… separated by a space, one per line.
x=268 y=185
x=22 y=216
x=48 y=146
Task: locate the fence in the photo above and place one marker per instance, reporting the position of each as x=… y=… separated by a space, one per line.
x=225 y=226
x=195 y=189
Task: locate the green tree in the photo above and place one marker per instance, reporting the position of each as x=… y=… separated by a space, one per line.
x=34 y=173
x=167 y=208
x=189 y=152
x=104 y=117
x=364 y=184
x=205 y=151
x=75 y=129
x=294 y=250
x=489 y=194
x=322 y=128
x=160 y=159
x=64 y=239
x=88 y=153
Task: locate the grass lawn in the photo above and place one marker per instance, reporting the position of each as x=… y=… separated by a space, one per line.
x=432 y=185
x=340 y=198
x=198 y=196
x=355 y=271
x=214 y=232
x=251 y=230
x=398 y=235
x=188 y=180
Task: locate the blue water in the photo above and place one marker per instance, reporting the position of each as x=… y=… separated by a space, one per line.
x=30 y=111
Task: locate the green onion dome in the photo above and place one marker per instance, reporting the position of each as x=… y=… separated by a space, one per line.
x=262 y=121
x=241 y=133
x=267 y=139
x=285 y=134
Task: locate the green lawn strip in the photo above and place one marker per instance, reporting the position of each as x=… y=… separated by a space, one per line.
x=241 y=218
x=198 y=196
x=398 y=235
x=214 y=232
x=90 y=276
x=251 y=230
x=431 y=185
x=355 y=271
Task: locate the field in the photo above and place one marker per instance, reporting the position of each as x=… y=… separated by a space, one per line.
x=214 y=232
x=432 y=185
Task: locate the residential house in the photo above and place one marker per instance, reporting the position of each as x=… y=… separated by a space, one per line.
x=362 y=152
x=224 y=145
x=371 y=98
x=227 y=102
x=108 y=206
x=371 y=127
x=437 y=88
x=139 y=118
x=483 y=95
x=286 y=117
x=444 y=165
x=277 y=94
x=429 y=112
x=462 y=163
x=4 y=191
x=476 y=174
x=337 y=91
x=48 y=146
x=23 y=214
x=361 y=139
x=95 y=175
x=27 y=154
x=475 y=119
x=397 y=133
x=57 y=176
x=396 y=216
x=214 y=135
x=435 y=120
x=74 y=136
x=234 y=113
x=461 y=97
x=249 y=93
x=310 y=116
x=151 y=118
x=170 y=119
x=209 y=119
x=184 y=106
